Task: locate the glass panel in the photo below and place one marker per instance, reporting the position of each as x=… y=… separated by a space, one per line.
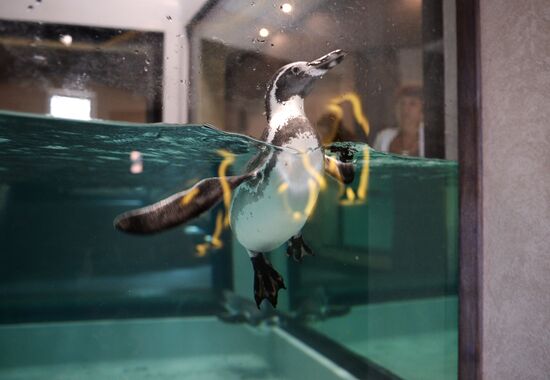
x=118 y=70
x=89 y=97
x=383 y=282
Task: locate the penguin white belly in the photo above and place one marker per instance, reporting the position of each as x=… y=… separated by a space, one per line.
x=265 y=216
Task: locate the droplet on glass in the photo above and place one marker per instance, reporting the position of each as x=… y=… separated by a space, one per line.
x=169 y=18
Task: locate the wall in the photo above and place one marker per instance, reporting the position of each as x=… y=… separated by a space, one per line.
x=112 y=103
x=515 y=70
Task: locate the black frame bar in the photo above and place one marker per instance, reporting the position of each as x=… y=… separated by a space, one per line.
x=470 y=179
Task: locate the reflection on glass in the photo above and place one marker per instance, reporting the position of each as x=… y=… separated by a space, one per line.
x=379 y=296
x=119 y=69
x=385 y=245
x=70 y=107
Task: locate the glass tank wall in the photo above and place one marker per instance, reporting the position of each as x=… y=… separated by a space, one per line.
x=112 y=106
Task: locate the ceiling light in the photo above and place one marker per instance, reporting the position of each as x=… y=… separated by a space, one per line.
x=286 y=8
x=66 y=39
x=264 y=32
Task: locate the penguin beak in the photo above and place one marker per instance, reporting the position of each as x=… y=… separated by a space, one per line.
x=326 y=62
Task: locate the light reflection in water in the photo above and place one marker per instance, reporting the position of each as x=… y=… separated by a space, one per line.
x=136 y=159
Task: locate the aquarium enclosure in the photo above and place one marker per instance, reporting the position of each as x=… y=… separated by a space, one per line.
x=110 y=106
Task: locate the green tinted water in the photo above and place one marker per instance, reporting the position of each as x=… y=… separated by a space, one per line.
x=62 y=183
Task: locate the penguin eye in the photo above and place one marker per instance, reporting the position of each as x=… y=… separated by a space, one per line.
x=295 y=70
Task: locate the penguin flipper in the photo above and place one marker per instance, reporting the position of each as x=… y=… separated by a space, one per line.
x=297 y=248
x=178 y=208
x=267 y=281
x=341 y=171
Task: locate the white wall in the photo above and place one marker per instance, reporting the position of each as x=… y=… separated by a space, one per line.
x=146 y=15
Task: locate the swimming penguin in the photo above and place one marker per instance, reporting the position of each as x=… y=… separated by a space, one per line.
x=272 y=200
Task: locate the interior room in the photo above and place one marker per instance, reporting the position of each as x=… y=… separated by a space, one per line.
x=273 y=189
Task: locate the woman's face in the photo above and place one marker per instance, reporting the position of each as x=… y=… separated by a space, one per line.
x=410 y=112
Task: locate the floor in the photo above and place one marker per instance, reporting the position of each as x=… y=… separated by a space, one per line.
x=429 y=356
x=222 y=367
x=414 y=339
x=164 y=348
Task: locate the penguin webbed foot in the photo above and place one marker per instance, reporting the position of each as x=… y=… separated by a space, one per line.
x=267 y=281
x=297 y=248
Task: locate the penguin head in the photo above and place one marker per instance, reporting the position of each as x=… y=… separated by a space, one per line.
x=297 y=78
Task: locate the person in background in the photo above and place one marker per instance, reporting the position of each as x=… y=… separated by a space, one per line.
x=408 y=137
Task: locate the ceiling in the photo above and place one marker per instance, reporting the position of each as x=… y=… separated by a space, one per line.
x=312 y=26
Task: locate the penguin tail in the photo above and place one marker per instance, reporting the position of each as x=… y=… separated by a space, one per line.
x=178 y=208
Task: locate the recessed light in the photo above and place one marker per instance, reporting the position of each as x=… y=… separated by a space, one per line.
x=286 y=8
x=263 y=32
x=66 y=39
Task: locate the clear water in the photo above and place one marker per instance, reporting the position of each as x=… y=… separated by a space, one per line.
x=386 y=252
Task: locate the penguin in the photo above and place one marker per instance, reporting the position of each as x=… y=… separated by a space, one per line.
x=272 y=200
